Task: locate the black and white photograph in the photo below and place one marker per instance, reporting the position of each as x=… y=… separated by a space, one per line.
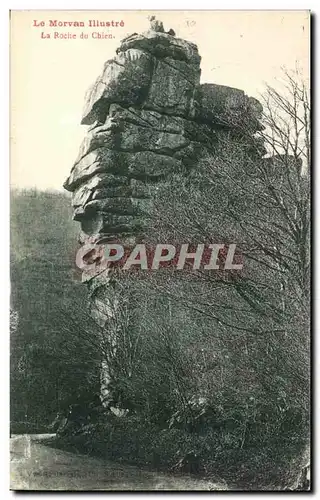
x=160 y=268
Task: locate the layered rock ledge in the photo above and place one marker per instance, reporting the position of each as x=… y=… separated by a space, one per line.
x=148 y=116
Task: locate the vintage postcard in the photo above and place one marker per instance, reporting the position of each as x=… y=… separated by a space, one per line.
x=160 y=250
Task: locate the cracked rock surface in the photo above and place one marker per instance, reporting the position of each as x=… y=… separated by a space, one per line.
x=148 y=117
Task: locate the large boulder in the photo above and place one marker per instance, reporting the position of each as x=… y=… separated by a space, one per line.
x=162 y=45
x=131 y=138
x=140 y=165
x=227 y=107
x=101 y=160
x=149 y=118
x=124 y=79
x=147 y=67
x=170 y=91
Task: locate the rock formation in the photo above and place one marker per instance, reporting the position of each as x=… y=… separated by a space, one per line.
x=148 y=116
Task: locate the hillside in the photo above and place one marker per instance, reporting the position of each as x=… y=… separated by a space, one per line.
x=45 y=290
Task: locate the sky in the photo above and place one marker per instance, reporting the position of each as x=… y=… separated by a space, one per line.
x=49 y=76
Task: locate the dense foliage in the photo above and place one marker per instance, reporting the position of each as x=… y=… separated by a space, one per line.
x=49 y=364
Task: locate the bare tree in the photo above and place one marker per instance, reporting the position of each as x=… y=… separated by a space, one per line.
x=260 y=200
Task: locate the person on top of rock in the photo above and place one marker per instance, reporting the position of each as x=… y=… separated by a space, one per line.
x=157 y=26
